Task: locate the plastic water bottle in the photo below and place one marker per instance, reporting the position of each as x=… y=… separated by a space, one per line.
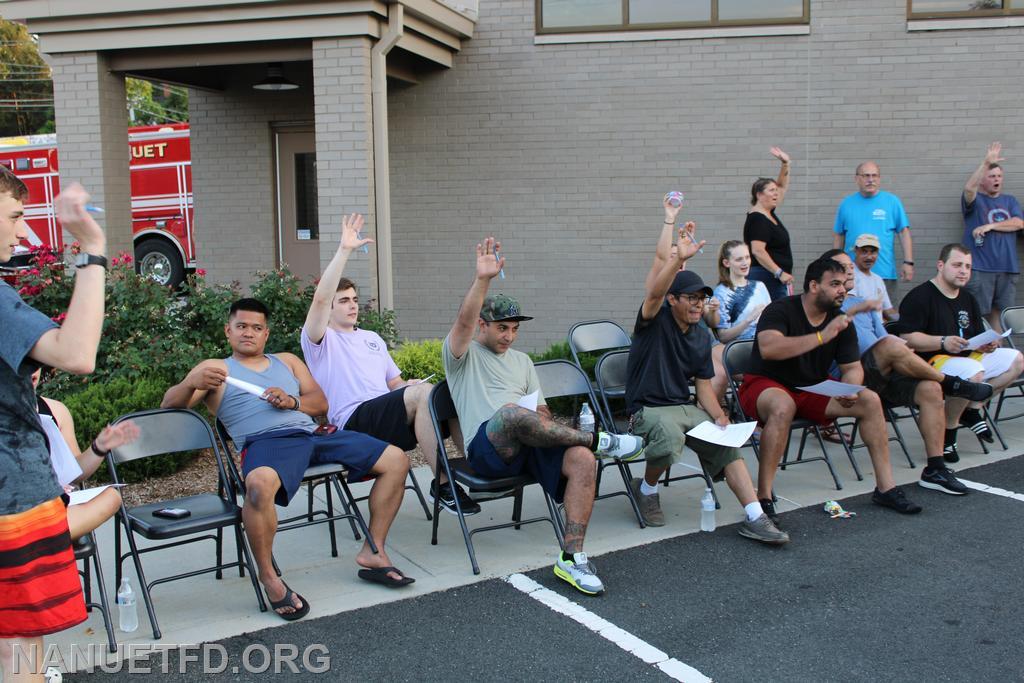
x=674 y=198
x=707 y=511
x=128 y=615
x=586 y=419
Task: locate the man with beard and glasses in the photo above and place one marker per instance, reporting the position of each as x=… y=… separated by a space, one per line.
x=798 y=339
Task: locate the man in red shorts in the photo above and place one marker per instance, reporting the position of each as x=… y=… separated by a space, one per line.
x=798 y=338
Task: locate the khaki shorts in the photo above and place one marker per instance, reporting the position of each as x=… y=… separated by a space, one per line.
x=664 y=428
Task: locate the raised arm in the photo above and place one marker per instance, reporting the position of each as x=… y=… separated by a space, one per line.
x=320 y=310
x=991 y=157
x=488 y=265
x=663 y=251
x=72 y=347
x=657 y=286
x=783 y=180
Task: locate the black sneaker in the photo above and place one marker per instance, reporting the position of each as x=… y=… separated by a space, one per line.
x=973 y=420
x=961 y=388
x=468 y=505
x=896 y=500
x=769 y=509
x=950 y=454
x=942 y=479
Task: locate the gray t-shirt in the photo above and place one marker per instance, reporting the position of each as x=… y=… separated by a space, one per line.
x=26 y=475
x=483 y=381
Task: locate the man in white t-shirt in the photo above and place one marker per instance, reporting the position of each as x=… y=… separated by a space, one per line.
x=868 y=285
x=365 y=390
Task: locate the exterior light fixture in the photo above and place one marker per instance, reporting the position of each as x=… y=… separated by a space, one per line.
x=275 y=79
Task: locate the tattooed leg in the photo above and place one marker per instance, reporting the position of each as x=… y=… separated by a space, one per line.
x=514 y=426
x=580 y=468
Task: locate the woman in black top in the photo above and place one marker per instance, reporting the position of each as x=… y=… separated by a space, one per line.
x=765 y=234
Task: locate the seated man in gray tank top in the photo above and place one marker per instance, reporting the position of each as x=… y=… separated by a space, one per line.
x=279 y=440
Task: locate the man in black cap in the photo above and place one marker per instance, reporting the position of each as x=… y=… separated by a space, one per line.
x=504 y=437
x=668 y=349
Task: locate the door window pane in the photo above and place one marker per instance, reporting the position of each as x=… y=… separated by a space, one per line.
x=668 y=11
x=760 y=9
x=560 y=13
x=307 y=206
x=929 y=6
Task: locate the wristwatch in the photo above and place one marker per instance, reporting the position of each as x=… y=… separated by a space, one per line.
x=777 y=274
x=83 y=260
x=909 y=263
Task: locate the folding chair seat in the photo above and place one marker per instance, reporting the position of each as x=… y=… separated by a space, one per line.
x=163 y=432
x=737 y=363
x=86 y=550
x=328 y=475
x=611 y=372
x=443 y=417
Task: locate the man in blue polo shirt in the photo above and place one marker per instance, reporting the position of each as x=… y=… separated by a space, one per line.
x=873 y=210
x=991 y=223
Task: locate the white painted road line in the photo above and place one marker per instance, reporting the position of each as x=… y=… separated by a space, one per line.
x=627 y=641
x=992 y=489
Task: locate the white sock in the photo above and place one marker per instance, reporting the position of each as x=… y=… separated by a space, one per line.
x=647 y=489
x=754 y=511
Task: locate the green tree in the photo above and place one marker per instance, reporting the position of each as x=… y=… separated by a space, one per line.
x=153 y=103
x=26 y=88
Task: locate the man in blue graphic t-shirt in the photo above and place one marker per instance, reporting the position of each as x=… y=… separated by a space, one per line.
x=991 y=222
x=873 y=210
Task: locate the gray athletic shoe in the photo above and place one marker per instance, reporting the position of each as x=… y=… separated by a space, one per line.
x=762 y=529
x=650 y=506
x=624 y=447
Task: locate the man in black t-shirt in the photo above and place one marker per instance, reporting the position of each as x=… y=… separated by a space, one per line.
x=668 y=349
x=940 y=317
x=798 y=338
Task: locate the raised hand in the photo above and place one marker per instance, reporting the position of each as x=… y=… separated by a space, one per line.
x=686 y=245
x=838 y=324
x=351 y=226
x=671 y=211
x=70 y=205
x=488 y=265
x=992 y=155
x=779 y=154
x=115 y=436
x=206 y=377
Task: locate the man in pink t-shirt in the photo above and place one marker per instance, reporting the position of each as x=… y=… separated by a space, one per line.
x=365 y=390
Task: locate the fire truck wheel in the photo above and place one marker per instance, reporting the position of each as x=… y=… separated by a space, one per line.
x=159 y=261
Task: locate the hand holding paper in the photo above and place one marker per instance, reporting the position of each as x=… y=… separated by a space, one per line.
x=986 y=338
x=734 y=435
x=529 y=401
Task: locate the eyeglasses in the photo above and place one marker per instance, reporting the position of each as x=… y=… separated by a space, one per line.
x=696 y=299
x=869 y=175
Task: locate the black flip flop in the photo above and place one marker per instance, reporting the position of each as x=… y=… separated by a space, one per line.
x=286 y=601
x=382 y=575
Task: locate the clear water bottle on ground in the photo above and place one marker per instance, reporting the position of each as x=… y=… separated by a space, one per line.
x=587 y=419
x=707 y=511
x=128 y=615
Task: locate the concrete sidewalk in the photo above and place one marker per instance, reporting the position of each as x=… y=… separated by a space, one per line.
x=204 y=609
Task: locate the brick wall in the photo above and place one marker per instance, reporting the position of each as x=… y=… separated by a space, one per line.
x=564 y=151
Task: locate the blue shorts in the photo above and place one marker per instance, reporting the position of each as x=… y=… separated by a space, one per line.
x=543 y=464
x=289 y=452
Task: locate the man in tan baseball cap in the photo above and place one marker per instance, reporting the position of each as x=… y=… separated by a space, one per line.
x=869 y=285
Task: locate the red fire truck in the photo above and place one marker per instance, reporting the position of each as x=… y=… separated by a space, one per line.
x=161 y=179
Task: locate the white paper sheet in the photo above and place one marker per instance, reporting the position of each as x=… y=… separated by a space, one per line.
x=246 y=387
x=986 y=337
x=61 y=457
x=529 y=401
x=85 y=495
x=832 y=388
x=734 y=435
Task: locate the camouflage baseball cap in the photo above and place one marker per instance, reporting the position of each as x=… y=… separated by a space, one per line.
x=502 y=307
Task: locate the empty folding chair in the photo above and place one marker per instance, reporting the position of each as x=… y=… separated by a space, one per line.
x=163 y=432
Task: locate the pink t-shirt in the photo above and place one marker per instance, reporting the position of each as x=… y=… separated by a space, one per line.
x=351 y=367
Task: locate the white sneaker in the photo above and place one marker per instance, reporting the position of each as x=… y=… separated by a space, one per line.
x=580 y=573
x=623 y=447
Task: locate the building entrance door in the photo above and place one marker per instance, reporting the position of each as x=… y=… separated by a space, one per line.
x=298 y=221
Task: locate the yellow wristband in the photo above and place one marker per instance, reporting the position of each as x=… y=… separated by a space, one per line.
x=820 y=340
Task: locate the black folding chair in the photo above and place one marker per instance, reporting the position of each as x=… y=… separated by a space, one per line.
x=611 y=376
x=1012 y=318
x=85 y=550
x=443 y=415
x=592 y=336
x=327 y=475
x=737 y=363
x=163 y=432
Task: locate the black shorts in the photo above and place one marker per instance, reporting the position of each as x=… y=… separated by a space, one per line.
x=384 y=418
x=543 y=464
x=895 y=390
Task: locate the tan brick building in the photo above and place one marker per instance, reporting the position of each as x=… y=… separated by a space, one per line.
x=556 y=125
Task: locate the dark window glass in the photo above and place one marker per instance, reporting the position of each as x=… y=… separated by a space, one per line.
x=307 y=206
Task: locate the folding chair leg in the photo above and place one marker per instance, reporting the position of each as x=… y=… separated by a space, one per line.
x=437 y=518
x=238 y=556
x=627 y=479
x=517 y=509
x=243 y=542
x=345 y=494
x=330 y=513
x=87 y=580
x=104 y=602
x=849 y=450
x=415 y=486
x=828 y=460
x=556 y=520
x=117 y=550
x=143 y=586
x=220 y=552
x=995 y=428
x=901 y=442
x=348 y=511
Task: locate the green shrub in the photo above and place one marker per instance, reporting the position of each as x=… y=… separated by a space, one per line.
x=288 y=300
x=100 y=403
x=381 y=322
x=560 y=351
x=419 y=360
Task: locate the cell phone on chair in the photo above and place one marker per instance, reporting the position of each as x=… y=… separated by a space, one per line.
x=325 y=429
x=172 y=513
